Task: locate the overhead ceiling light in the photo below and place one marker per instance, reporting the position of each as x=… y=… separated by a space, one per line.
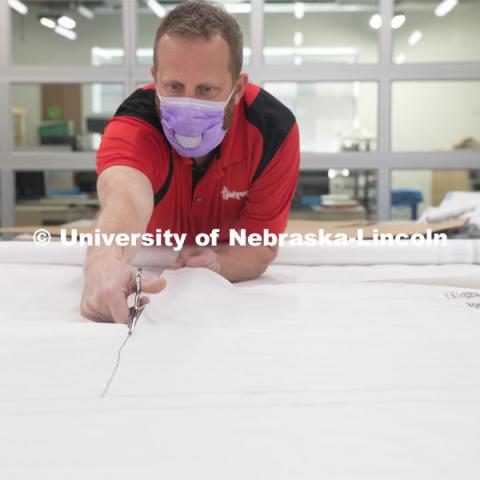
x=144 y=52
x=297 y=38
x=376 y=21
x=156 y=8
x=86 y=12
x=107 y=53
x=400 y=58
x=398 y=21
x=238 y=7
x=65 y=32
x=67 y=22
x=299 y=9
x=415 y=37
x=309 y=51
x=48 y=22
x=297 y=60
x=444 y=7
x=18 y=6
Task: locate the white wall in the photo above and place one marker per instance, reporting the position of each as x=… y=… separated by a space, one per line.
x=434 y=115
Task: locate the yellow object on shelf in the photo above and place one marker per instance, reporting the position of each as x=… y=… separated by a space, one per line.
x=20 y=125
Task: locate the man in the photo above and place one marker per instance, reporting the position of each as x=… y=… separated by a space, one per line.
x=201 y=148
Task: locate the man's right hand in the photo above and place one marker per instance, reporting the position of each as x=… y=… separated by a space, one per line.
x=126 y=199
x=109 y=280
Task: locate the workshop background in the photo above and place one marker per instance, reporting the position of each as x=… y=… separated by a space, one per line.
x=386 y=93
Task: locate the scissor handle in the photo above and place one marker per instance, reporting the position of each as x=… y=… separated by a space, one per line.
x=138 y=289
x=136 y=310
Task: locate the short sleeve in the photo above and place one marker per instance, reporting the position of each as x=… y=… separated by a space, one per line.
x=133 y=143
x=270 y=196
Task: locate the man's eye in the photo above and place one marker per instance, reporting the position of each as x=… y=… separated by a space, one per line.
x=175 y=88
x=207 y=90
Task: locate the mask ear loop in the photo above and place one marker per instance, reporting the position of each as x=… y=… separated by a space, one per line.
x=230 y=96
x=227 y=101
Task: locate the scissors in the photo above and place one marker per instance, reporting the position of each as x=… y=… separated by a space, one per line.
x=137 y=309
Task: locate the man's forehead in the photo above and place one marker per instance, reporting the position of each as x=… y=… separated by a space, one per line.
x=168 y=74
x=175 y=51
x=189 y=46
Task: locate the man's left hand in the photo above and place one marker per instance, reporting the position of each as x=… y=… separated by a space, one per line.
x=193 y=256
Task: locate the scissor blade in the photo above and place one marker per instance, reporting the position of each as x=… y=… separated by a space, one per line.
x=137 y=308
x=135 y=315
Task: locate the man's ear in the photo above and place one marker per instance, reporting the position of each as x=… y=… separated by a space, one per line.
x=153 y=72
x=240 y=86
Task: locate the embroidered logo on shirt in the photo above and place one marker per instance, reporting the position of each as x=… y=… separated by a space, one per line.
x=228 y=194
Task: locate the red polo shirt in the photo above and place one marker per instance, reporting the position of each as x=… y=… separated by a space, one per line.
x=249 y=184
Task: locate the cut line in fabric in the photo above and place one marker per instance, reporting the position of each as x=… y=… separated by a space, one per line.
x=115 y=368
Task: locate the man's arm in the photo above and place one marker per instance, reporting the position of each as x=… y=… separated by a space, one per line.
x=266 y=208
x=237 y=263
x=126 y=200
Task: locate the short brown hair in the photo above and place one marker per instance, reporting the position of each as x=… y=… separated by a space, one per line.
x=201 y=19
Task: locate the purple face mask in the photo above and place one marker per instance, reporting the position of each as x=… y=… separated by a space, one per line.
x=193 y=127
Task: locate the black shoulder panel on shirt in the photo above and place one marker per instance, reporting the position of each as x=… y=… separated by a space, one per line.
x=141 y=104
x=166 y=184
x=274 y=120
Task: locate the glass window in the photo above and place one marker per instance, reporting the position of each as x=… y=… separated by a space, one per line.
x=150 y=14
x=55 y=197
x=69 y=117
x=435 y=116
x=67 y=33
x=335 y=194
x=440 y=31
x=321 y=32
x=413 y=191
x=332 y=117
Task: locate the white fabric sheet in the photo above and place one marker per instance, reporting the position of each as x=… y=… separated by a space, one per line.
x=456 y=275
x=459 y=251
x=309 y=375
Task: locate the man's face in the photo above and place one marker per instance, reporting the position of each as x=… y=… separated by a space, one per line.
x=197 y=68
